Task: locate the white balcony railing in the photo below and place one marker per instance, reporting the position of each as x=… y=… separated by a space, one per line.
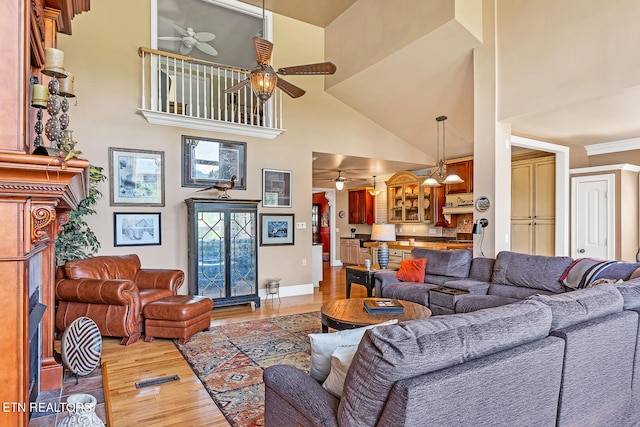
x=187 y=92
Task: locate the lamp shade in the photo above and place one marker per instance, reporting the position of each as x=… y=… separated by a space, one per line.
x=263 y=82
x=339 y=185
x=383 y=232
x=453 y=179
x=431 y=182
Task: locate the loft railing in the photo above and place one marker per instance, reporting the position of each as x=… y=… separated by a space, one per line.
x=187 y=92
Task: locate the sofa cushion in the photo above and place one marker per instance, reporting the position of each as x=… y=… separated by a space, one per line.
x=391 y=353
x=104 y=267
x=630 y=291
x=324 y=344
x=409 y=291
x=530 y=271
x=581 y=305
x=452 y=263
x=412 y=270
x=469 y=303
x=340 y=361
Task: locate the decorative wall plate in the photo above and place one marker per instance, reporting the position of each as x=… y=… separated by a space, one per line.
x=482 y=204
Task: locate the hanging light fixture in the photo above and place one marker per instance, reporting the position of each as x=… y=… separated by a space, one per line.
x=340 y=181
x=441 y=168
x=373 y=191
x=263 y=77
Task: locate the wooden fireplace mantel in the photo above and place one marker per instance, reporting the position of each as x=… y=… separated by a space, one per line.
x=36 y=195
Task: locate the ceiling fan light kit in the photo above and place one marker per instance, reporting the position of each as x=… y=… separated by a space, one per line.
x=441 y=168
x=373 y=190
x=264 y=78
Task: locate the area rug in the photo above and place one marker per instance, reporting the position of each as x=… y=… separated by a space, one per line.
x=230 y=359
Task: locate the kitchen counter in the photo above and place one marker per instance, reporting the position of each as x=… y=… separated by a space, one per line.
x=429 y=245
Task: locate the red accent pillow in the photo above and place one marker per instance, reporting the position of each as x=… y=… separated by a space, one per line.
x=412 y=270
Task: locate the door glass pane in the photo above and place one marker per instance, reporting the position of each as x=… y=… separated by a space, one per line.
x=211 y=259
x=243 y=245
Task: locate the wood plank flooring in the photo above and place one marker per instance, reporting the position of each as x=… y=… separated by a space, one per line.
x=186 y=402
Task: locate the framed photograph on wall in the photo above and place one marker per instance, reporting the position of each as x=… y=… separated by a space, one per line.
x=207 y=161
x=277 y=229
x=136 y=229
x=137 y=177
x=276 y=188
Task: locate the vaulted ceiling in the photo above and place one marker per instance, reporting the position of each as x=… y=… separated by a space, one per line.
x=404 y=76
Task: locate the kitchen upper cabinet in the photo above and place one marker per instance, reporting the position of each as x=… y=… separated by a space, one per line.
x=464 y=169
x=404 y=198
x=438 y=201
x=360 y=207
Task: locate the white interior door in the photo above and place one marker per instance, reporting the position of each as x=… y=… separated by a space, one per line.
x=592 y=216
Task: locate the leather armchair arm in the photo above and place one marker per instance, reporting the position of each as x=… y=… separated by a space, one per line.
x=149 y=278
x=97 y=291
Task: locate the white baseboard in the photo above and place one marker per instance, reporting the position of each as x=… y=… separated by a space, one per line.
x=289 y=291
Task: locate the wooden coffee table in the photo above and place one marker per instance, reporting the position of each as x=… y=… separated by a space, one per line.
x=350 y=314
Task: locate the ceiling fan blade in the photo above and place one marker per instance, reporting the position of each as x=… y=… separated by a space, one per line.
x=263 y=50
x=238 y=86
x=320 y=68
x=170 y=38
x=180 y=30
x=184 y=50
x=204 y=37
x=290 y=89
x=207 y=48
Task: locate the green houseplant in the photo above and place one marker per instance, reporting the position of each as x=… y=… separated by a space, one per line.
x=77 y=240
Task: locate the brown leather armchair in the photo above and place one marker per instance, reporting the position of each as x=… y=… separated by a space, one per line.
x=112 y=291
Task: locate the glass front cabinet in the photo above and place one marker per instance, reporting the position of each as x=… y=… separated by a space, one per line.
x=408 y=200
x=223 y=262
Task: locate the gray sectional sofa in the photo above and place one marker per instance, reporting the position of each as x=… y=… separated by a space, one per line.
x=549 y=360
x=455 y=282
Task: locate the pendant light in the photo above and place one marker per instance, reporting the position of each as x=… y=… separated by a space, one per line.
x=373 y=191
x=441 y=168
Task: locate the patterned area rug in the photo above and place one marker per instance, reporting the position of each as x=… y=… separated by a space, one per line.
x=229 y=360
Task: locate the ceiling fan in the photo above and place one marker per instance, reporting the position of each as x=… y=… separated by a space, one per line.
x=264 y=79
x=190 y=39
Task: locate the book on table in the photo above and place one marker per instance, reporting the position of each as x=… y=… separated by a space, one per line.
x=383 y=306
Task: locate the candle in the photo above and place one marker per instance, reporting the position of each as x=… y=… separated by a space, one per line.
x=66 y=86
x=54 y=59
x=40 y=96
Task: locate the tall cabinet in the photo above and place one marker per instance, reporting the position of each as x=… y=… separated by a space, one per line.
x=533 y=205
x=223 y=253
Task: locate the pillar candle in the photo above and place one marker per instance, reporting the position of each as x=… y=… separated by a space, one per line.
x=66 y=86
x=40 y=96
x=54 y=59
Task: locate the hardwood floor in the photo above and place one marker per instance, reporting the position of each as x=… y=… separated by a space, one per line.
x=186 y=402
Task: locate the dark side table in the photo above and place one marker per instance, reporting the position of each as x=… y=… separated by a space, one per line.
x=361 y=276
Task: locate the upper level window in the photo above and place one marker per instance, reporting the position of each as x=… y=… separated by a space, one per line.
x=212 y=30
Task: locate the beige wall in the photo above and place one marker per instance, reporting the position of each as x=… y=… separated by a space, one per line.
x=102 y=53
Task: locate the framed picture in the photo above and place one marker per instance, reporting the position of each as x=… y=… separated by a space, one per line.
x=136 y=229
x=276 y=188
x=207 y=161
x=137 y=177
x=277 y=229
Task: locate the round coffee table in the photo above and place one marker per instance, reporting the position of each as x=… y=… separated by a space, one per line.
x=350 y=314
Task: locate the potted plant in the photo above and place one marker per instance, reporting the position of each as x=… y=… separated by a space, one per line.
x=77 y=240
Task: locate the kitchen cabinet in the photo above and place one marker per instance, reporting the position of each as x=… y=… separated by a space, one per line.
x=464 y=169
x=360 y=207
x=349 y=251
x=438 y=201
x=533 y=206
x=404 y=198
x=222 y=241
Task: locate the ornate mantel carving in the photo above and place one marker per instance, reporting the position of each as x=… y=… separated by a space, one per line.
x=41 y=217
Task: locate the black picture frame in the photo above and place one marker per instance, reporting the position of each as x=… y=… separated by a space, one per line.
x=137 y=229
x=276 y=188
x=209 y=161
x=277 y=230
